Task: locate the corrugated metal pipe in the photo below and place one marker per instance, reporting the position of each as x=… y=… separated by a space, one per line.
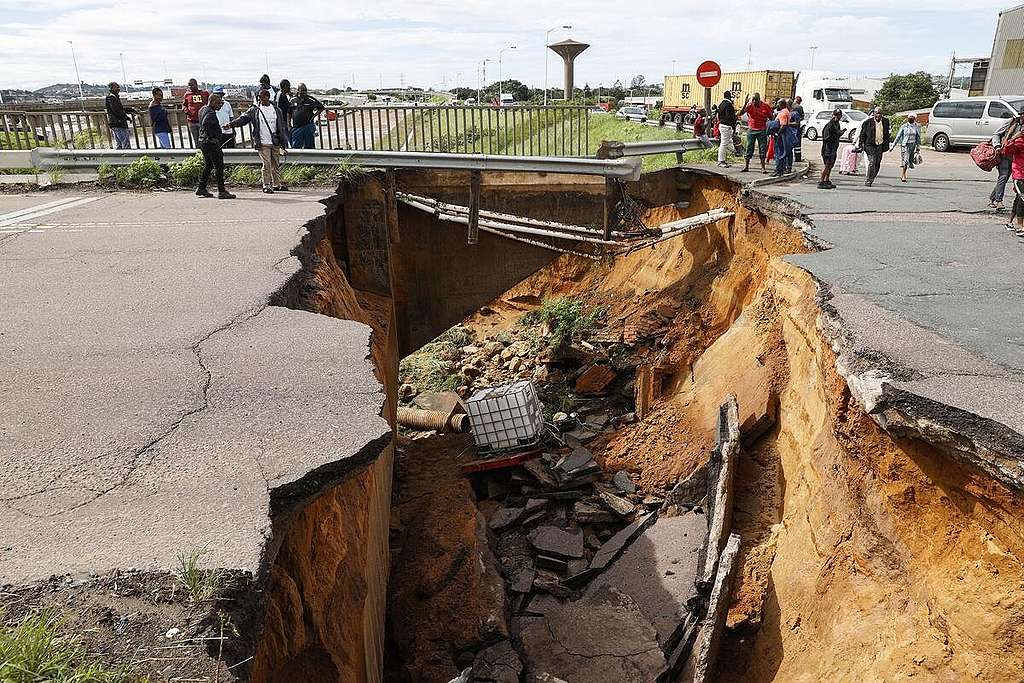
x=433 y=419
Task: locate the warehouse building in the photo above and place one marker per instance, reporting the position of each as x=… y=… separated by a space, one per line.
x=1006 y=68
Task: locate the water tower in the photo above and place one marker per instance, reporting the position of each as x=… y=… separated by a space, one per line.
x=568 y=51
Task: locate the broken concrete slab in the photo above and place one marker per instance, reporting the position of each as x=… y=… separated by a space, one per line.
x=538 y=471
x=619 y=506
x=503 y=518
x=499 y=663
x=700 y=667
x=690 y=491
x=579 y=458
x=658 y=571
x=554 y=542
x=523 y=582
x=590 y=512
x=601 y=638
x=623 y=482
x=721 y=475
x=549 y=583
x=611 y=549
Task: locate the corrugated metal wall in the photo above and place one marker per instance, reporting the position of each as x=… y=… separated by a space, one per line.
x=1006 y=70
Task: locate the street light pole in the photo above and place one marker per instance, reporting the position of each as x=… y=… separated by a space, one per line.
x=547 y=37
x=81 y=94
x=812 y=48
x=500 y=53
x=124 y=74
x=483 y=82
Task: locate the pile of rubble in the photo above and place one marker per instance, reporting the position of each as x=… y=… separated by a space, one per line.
x=607 y=583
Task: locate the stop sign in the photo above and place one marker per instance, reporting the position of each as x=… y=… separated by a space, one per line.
x=708 y=74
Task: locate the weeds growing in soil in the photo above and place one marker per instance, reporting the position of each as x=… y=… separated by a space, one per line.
x=35 y=649
x=431 y=367
x=566 y=318
x=201 y=584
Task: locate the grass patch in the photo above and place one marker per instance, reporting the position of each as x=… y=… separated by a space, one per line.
x=201 y=584
x=610 y=127
x=565 y=318
x=250 y=176
x=35 y=649
x=186 y=174
x=431 y=367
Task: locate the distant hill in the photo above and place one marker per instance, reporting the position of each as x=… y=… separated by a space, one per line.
x=70 y=89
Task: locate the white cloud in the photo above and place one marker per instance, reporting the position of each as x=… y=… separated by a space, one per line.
x=326 y=43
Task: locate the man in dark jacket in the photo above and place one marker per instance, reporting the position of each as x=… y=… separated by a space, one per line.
x=875 y=141
x=211 y=135
x=726 y=126
x=305 y=110
x=117 y=117
x=830 y=136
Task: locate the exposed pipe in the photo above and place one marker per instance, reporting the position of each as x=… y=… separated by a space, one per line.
x=433 y=419
x=456 y=208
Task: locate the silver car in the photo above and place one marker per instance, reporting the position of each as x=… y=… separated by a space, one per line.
x=632 y=114
x=966 y=122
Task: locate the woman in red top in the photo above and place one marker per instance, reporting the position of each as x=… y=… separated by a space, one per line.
x=699 y=125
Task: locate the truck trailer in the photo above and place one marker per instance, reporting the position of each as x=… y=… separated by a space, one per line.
x=683 y=91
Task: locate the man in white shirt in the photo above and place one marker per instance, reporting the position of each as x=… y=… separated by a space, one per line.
x=269 y=137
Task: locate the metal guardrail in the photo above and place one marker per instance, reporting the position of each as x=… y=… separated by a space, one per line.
x=621 y=169
x=558 y=130
x=15 y=159
x=639 y=149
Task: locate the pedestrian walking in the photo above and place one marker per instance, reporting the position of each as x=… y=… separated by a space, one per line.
x=1013 y=148
x=224 y=115
x=1005 y=132
x=305 y=112
x=726 y=126
x=269 y=137
x=758 y=112
x=908 y=137
x=192 y=101
x=158 y=117
x=874 y=141
x=830 y=136
x=210 y=137
x=117 y=117
x=797 y=119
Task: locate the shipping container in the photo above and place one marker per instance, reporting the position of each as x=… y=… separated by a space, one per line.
x=683 y=91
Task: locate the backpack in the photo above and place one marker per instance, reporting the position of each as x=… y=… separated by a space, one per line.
x=985 y=156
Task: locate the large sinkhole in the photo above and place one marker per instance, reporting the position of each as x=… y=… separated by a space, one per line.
x=711 y=503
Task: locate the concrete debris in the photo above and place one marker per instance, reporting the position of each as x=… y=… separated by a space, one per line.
x=690 y=491
x=611 y=549
x=594 y=380
x=700 y=668
x=619 y=506
x=658 y=571
x=499 y=663
x=721 y=476
x=549 y=583
x=554 y=542
x=604 y=636
x=503 y=518
x=623 y=482
x=586 y=512
x=552 y=564
x=465 y=677
x=523 y=582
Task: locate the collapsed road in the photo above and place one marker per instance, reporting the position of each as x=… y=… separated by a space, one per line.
x=227 y=390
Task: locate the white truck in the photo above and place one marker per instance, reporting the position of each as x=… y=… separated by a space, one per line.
x=823 y=91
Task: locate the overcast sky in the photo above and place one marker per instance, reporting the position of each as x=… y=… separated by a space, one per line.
x=331 y=43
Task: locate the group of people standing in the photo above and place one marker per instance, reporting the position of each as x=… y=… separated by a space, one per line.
x=768 y=127
x=279 y=119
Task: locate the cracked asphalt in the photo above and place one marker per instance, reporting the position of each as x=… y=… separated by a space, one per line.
x=153 y=401
x=924 y=276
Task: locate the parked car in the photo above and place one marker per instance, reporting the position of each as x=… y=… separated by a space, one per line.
x=966 y=122
x=632 y=114
x=850 y=123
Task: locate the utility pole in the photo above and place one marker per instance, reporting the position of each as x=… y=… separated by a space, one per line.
x=81 y=94
x=124 y=74
x=750 y=48
x=482 y=83
x=812 y=48
x=547 y=37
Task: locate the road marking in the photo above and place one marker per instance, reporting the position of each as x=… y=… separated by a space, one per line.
x=40 y=211
x=32 y=209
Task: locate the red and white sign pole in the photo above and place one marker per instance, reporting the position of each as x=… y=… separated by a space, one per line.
x=708 y=75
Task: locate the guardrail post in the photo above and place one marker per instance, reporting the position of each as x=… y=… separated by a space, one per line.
x=609 y=207
x=473 y=233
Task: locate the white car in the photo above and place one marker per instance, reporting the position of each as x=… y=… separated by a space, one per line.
x=850 y=123
x=632 y=114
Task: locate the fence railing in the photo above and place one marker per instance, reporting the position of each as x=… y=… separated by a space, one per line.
x=516 y=131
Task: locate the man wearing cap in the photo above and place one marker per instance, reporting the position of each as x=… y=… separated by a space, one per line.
x=875 y=140
x=726 y=126
x=225 y=114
